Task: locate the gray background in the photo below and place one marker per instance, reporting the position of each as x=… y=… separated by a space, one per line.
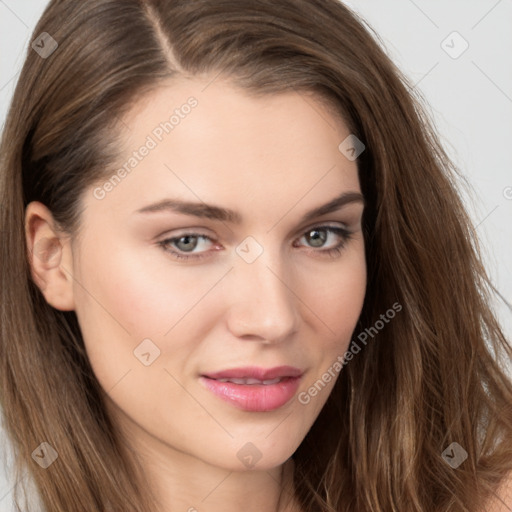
x=469 y=97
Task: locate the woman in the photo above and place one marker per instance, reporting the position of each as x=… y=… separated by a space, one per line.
x=239 y=273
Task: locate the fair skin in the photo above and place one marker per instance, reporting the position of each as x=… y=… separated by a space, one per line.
x=272 y=159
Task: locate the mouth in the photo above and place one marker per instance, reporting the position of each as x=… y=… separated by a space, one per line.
x=251 y=382
x=254 y=389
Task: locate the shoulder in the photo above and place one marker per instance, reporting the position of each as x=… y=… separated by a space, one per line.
x=502 y=501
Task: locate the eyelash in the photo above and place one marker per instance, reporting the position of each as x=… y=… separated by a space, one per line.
x=345 y=235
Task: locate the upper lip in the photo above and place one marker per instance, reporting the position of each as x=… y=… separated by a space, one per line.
x=254 y=372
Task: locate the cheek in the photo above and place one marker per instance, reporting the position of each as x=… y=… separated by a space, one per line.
x=337 y=308
x=121 y=301
x=338 y=297
x=142 y=295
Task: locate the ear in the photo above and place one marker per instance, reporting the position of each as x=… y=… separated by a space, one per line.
x=50 y=257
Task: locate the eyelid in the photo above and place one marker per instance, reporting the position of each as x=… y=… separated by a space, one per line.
x=324 y=224
x=208 y=233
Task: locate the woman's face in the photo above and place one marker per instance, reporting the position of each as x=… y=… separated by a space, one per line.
x=202 y=262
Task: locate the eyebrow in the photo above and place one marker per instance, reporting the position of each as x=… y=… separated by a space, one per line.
x=214 y=212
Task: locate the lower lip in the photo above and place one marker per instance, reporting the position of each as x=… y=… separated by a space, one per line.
x=254 y=397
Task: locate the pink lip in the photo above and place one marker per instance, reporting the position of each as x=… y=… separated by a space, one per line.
x=255 y=397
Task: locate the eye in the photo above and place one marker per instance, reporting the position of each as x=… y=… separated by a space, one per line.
x=185 y=243
x=316 y=237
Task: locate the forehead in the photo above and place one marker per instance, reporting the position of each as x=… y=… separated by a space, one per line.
x=198 y=139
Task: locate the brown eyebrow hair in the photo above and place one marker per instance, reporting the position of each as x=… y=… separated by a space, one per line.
x=226 y=215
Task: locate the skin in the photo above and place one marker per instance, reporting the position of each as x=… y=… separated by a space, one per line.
x=271 y=159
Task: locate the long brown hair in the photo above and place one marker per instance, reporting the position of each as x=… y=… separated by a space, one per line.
x=432 y=376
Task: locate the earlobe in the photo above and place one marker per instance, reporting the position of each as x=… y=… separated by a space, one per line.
x=50 y=257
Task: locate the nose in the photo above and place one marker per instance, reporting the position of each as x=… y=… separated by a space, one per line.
x=263 y=306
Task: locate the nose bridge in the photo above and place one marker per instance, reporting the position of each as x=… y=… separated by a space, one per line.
x=262 y=304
